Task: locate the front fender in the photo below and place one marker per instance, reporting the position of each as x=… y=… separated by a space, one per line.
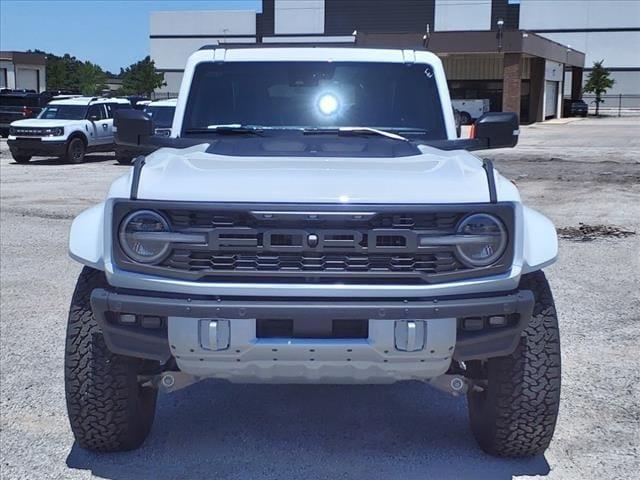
x=86 y=239
x=540 y=241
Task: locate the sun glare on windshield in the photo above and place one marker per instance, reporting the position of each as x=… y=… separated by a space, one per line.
x=328 y=104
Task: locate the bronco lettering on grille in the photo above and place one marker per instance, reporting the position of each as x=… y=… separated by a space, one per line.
x=283 y=240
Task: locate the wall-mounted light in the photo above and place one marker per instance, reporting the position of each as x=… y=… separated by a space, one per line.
x=500 y=24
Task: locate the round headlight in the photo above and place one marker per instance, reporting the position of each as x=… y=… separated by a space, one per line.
x=140 y=239
x=485 y=240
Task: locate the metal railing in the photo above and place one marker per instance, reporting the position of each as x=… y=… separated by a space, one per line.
x=163 y=95
x=617 y=105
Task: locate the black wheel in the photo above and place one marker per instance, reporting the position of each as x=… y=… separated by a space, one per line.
x=124 y=160
x=108 y=409
x=515 y=416
x=21 y=158
x=76 y=150
x=465 y=118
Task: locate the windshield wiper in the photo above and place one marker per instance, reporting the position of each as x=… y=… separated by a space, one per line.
x=229 y=128
x=355 y=131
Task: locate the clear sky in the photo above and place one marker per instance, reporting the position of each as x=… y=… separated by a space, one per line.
x=111 y=33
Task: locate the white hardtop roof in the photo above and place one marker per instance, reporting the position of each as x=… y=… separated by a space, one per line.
x=88 y=101
x=169 y=102
x=313 y=54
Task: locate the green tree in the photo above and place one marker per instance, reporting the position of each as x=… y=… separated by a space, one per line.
x=598 y=82
x=68 y=73
x=91 y=79
x=141 y=78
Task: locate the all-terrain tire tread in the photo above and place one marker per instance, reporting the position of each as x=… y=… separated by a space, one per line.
x=106 y=411
x=524 y=403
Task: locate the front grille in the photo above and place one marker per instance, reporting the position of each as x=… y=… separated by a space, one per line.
x=440 y=221
x=205 y=262
x=26 y=132
x=313 y=244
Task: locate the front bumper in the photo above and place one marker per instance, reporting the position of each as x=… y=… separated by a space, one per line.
x=375 y=358
x=37 y=147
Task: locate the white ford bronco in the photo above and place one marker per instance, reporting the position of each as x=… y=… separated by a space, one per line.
x=67 y=128
x=313 y=218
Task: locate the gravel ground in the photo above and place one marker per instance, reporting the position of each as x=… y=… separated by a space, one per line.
x=403 y=431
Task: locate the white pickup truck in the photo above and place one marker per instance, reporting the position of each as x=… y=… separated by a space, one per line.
x=67 y=128
x=470 y=109
x=314 y=218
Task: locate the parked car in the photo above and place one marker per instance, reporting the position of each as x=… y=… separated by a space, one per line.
x=161 y=111
x=314 y=219
x=575 y=108
x=138 y=101
x=18 y=105
x=67 y=128
x=471 y=109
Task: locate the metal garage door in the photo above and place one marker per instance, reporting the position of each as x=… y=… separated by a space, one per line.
x=27 y=78
x=550 y=99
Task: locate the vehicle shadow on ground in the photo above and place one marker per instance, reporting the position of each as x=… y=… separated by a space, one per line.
x=219 y=430
x=44 y=161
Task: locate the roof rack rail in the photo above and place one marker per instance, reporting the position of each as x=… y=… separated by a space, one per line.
x=210 y=46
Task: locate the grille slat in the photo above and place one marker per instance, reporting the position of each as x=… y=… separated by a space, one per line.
x=247 y=261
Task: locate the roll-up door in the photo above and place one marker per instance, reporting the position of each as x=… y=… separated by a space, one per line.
x=550 y=99
x=27 y=78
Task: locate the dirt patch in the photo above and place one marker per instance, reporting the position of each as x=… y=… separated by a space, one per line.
x=586 y=233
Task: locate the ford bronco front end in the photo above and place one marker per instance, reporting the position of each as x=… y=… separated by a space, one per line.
x=314 y=219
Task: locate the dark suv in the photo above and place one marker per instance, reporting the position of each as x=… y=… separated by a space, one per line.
x=575 y=108
x=18 y=105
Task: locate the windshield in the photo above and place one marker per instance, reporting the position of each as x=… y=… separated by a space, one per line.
x=64 y=112
x=301 y=95
x=162 y=116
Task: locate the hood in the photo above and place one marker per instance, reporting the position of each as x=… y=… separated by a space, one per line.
x=434 y=176
x=43 y=123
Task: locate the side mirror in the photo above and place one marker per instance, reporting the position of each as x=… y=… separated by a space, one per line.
x=93 y=118
x=132 y=128
x=498 y=129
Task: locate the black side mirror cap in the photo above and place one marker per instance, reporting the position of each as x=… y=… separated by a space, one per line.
x=133 y=127
x=498 y=129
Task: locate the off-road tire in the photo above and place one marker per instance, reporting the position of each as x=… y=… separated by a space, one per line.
x=516 y=414
x=465 y=118
x=108 y=409
x=22 y=158
x=124 y=160
x=76 y=150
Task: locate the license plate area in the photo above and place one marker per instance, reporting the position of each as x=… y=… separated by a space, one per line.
x=312 y=328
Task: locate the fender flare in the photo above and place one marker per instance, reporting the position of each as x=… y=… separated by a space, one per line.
x=86 y=237
x=78 y=134
x=540 y=246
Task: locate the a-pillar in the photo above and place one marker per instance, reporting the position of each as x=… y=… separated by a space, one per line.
x=512 y=83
